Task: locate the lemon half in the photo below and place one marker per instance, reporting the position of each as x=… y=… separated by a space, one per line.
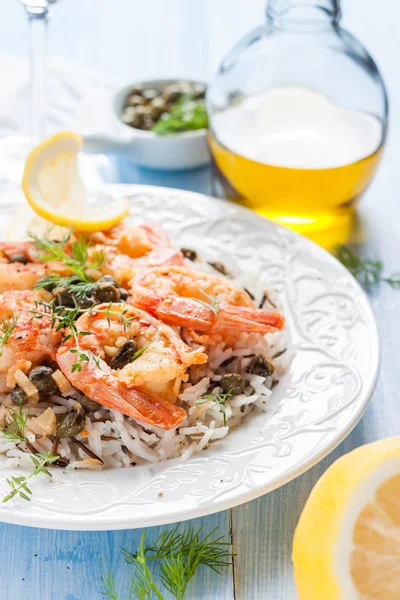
x=55 y=191
x=347 y=542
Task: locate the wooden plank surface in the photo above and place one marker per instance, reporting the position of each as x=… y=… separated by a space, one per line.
x=41 y=564
x=48 y=565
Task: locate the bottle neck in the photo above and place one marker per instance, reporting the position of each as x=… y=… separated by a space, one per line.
x=303 y=15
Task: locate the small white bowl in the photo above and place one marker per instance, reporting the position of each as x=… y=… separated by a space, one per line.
x=174 y=152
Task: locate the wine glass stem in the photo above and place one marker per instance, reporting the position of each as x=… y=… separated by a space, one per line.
x=38 y=40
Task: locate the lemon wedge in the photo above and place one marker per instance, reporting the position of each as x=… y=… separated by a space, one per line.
x=347 y=542
x=55 y=191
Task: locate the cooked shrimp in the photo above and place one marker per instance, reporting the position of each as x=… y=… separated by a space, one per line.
x=144 y=389
x=132 y=248
x=133 y=240
x=123 y=267
x=179 y=296
x=17 y=276
x=24 y=249
x=32 y=339
x=23 y=275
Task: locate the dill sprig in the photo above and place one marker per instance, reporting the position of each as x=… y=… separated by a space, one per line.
x=109 y=590
x=367 y=271
x=212 y=303
x=64 y=317
x=7 y=326
x=75 y=285
x=82 y=256
x=178 y=554
x=78 y=260
x=14 y=425
x=19 y=485
x=219 y=398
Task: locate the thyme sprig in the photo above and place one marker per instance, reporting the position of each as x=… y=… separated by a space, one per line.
x=15 y=424
x=367 y=271
x=64 y=317
x=19 y=485
x=179 y=554
x=7 y=326
x=219 y=398
x=212 y=303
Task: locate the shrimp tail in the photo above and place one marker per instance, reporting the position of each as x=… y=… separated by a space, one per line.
x=109 y=392
x=186 y=312
x=243 y=318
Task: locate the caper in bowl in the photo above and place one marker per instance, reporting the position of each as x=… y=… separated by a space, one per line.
x=172 y=108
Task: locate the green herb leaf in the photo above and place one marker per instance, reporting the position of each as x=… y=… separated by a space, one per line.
x=393 y=280
x=185 y=115
x=178 y=553
x=367 y=271
x=219 y=399
x=140 y=352
x=109 y=590
x=15 y=424
x=19 y=485
x=7 y=326
x=78 y=261
x=213 y=303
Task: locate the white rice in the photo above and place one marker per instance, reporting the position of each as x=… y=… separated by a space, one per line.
x=120 y=441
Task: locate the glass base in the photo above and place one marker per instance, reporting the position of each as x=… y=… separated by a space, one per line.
x=329 y=228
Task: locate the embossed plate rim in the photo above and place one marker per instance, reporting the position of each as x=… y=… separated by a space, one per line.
x=40 y=512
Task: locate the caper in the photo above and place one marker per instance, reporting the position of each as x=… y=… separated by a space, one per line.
x=18 y=396
x=148 y=122
x=65 y=297
x=137 y=91
x=259 y=365
x=18 y=257
x=106 y=292
x=109 y=279
x=72 y=422
x=48 y=362
x=89 y=406
x=233 y=383
x=172 y=92
x=124 y=355
x=85 y=301
x=158 y=106
x=218 y=266
x=188 y=253
x=150 y=94
x=123 y=294
x=128 y=113
x=135 y=100
x=133 y=118
x=42 y=379
x=198 y=91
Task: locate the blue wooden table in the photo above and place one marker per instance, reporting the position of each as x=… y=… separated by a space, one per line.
x=58 y=565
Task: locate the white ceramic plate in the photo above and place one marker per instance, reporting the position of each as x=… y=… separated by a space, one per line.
x=314 y=407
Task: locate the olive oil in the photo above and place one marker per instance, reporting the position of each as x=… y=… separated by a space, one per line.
x=293 y=156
